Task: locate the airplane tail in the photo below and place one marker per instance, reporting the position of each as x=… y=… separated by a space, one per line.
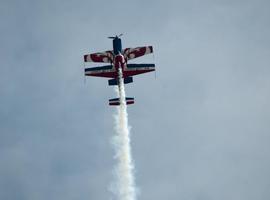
x=116 y=101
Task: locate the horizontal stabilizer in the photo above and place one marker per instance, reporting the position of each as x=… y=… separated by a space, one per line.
x=116 y=101
x=115 y=81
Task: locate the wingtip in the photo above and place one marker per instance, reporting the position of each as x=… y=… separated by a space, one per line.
x=85 y=58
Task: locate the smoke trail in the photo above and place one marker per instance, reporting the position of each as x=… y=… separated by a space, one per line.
x=124 y=187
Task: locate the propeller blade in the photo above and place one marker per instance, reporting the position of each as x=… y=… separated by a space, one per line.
x=116 y=36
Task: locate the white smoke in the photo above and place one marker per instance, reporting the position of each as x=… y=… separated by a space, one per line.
x=124 y=185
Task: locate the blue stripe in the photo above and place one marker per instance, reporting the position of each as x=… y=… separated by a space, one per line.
x=117 y=99
x=106 y=67
x=140 y=65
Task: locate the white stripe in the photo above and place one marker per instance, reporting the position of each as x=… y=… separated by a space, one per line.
x=139 y=68
x=99 y=71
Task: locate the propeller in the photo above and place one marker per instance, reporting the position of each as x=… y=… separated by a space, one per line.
x=116 y=36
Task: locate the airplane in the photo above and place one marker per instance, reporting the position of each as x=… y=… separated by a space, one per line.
x=118 y=58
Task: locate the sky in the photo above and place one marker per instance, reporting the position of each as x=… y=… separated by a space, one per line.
x=200 y=125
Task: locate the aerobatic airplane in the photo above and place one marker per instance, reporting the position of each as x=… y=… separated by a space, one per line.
x=117 y=58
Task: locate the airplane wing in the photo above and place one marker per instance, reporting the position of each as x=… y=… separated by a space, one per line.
x=106 y=57
x=107 y=71
x=130 y=53
x=135 y=69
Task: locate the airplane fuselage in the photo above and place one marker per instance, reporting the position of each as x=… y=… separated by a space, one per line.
x=119 y=60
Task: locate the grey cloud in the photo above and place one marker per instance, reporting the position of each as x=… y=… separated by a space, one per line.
x=200 y=130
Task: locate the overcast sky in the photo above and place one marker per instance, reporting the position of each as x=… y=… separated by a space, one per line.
x=200 y=129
